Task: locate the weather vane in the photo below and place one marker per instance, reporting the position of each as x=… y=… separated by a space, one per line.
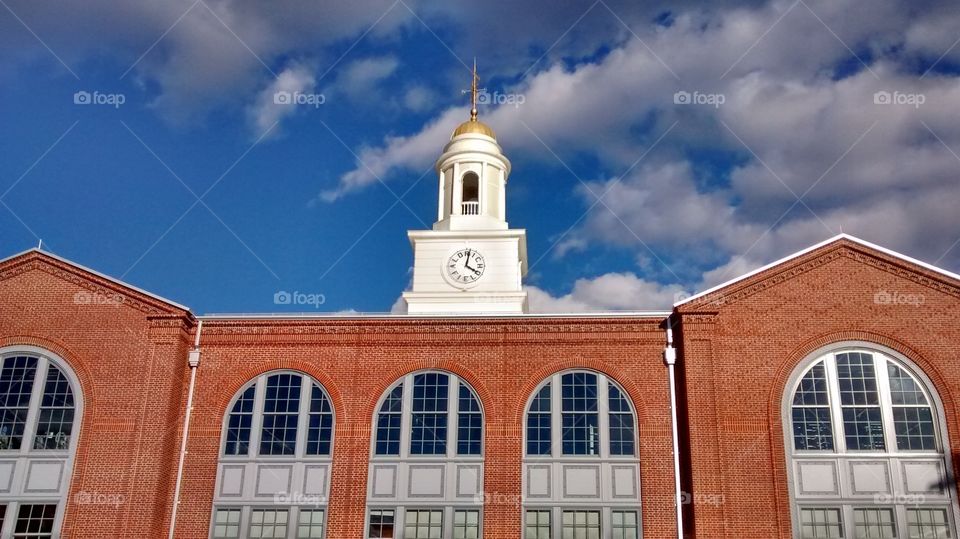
x=473 y=93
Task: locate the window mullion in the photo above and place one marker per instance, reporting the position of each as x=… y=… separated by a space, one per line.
x=453 y=415
x=256 y=422
x=886 y=403
x=836 y=408
x=303 y=417
x=33 y=411
x=556 y=417
x=603 y=423
x=406 y=417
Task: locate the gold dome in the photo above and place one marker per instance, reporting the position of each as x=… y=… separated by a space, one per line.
x=473 y=126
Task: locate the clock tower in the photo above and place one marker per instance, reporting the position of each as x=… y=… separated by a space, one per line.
x=471 y=262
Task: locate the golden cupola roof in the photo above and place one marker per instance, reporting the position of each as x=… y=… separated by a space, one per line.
x=473 y=125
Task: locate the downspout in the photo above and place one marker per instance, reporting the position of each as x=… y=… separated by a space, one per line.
x=670 y=358
x=193 y=359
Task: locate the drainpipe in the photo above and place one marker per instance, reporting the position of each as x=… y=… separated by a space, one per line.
x=670 y=358
x=193 y=359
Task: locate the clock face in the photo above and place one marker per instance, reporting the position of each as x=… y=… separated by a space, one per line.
x=465 y=266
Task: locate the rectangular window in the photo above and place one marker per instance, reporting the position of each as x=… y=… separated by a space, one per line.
x=388 y=423
x=35 y=521
x=812 y=429
x=281 y=408
x=226 y=524
x=466 y=525
x=860 y=401
x=581 y=524
x=538 y=424
x=268 y=523
x=928 y=524
x=624 y=525
x=821 y=524
x=874 y=524
x=914 y=428
x=16 y=384
x=423 y=524
x=537 y=525
x=381 y=524
x=580 y=416
x=621 y=423
x=310 y=524
x=429 y=433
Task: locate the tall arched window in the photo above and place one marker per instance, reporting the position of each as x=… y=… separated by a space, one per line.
x=40 y=409
x=273 y=477
x=426 y=467
x=470 y=190
x=581 y=472
x=865 y=451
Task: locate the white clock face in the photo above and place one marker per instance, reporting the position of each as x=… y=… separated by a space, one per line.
x=465 y=266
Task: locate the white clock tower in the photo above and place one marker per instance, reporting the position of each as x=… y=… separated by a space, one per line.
x=471 y=262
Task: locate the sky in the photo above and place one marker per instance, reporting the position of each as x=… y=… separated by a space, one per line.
x=658 y=148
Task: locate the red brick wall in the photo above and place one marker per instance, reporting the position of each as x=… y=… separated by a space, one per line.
x=741 y=344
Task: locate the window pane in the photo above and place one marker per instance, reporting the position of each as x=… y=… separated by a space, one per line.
x=621 y=423
x=238 y=425
x=381 y=524
x=55 y=421
x=811 y=428
x=874 y=524
x=537 y=525
x=16 y=384
x=388 y=423
x=928 y=524
x=903 y=388
x=423 y=524
x=429 y=418
x=820 y=524
x=538 y=423
x=226 y=524
x=863 y=429
x=812 y=390
x=35 y=521
x=466 y=525
x=310 y=524
x=281 y=407
x=580 y=419
x=320 y=427
x=625 y=525
x=268 y=523
x=581 y=524
x=914 y=428
x=469 y=423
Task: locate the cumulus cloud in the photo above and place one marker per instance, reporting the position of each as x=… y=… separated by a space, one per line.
x=275 y=102
x=608 y=292
x=358 y=81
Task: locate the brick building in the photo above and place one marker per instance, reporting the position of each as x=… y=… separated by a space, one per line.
x=815 y=397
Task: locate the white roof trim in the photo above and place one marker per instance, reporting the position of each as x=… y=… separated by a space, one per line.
x=98 y=274
x=798 y=254
x=336 y=316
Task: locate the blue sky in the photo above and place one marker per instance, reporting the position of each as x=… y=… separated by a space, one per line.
x=657 y=149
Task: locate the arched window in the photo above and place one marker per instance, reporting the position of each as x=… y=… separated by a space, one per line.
x=581 y=453
x=866 y=455
x=470 y=189
x=426 y=465
x=273 y=477
x=39 y=415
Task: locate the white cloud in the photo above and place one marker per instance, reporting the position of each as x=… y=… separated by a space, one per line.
x=609 y=292
x=272 y=103
x=358 y=80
